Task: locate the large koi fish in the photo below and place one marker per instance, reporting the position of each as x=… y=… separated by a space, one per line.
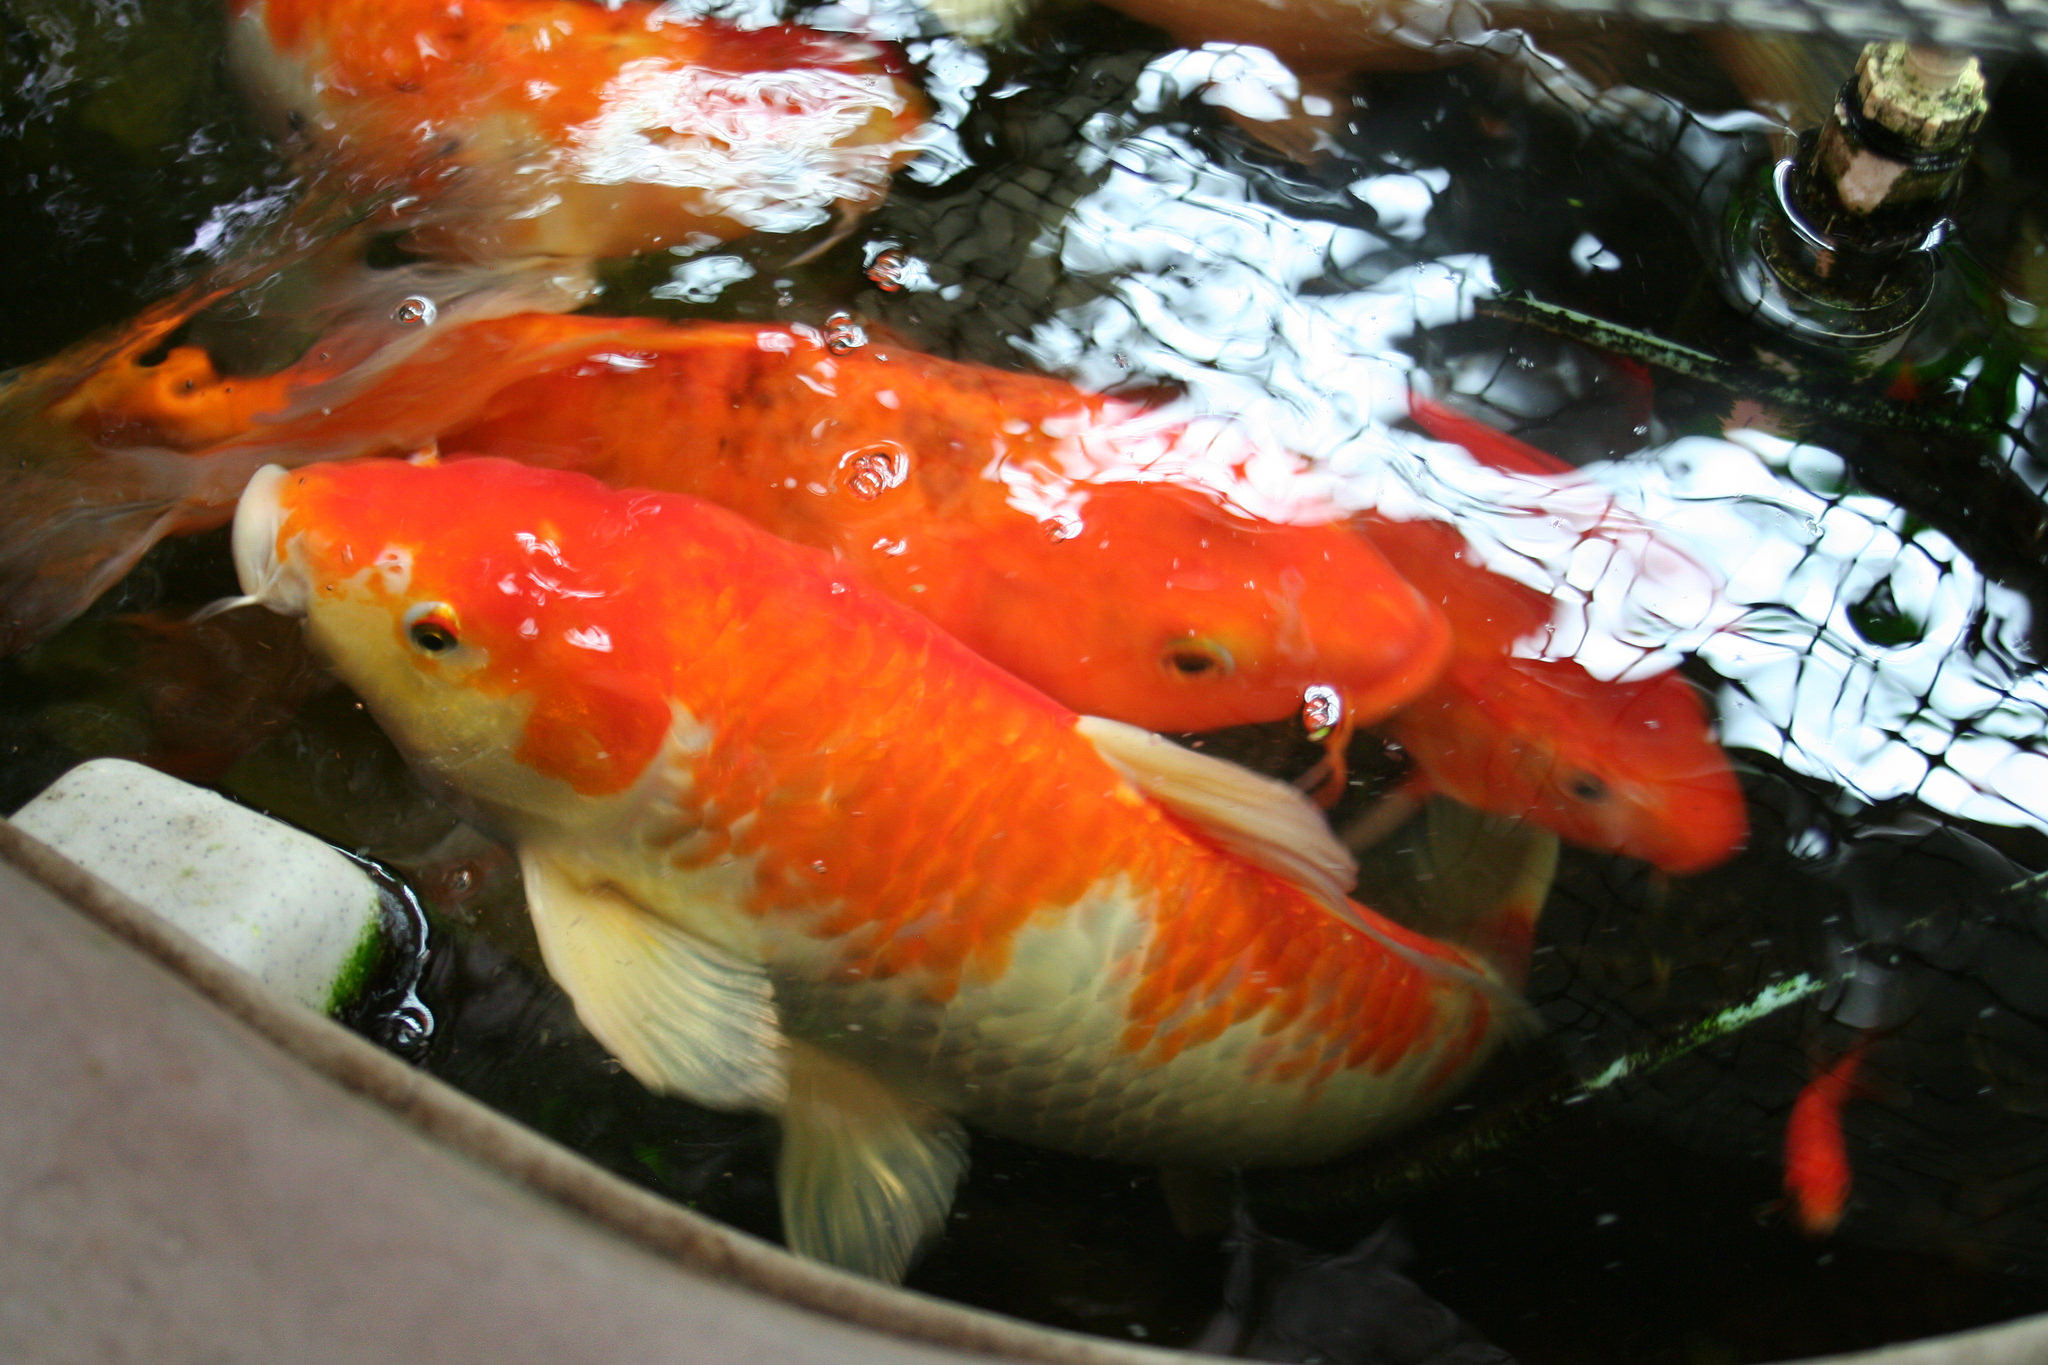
x=790 y=848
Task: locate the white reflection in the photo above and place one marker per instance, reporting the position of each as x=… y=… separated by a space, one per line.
x=1857 y=647
x=759 y=147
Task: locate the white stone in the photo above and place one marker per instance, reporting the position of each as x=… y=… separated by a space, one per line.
x=275 y=902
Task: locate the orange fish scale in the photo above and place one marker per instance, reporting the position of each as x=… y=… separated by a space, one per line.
x=1410 y=1009
x=1199 y=1027
x=1371 y=1003
x=1292 y=1066
x=1478 y=1024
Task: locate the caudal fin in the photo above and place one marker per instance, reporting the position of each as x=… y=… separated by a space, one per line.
x=126 y=438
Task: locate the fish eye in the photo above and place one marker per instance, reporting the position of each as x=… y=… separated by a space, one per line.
x=1585 y=787
x=431 y=626
x=1199 y=658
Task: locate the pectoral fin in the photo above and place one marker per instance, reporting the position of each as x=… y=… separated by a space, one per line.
x=1485 y=879
x=865 y=1175
x=1257 y=818
x=683 y=1017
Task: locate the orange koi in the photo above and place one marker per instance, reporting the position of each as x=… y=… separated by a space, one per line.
x=1817 y=1171
x=522 y=128
x=972 y=494
x=1626 y=766
x=790 y=848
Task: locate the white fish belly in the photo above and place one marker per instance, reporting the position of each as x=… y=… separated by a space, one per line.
x=1037 y=1053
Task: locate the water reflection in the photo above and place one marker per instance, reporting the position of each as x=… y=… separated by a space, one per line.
x=1857 y=646
x=1871 y=653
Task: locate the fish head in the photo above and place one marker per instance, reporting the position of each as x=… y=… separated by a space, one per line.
x=1196 y=618
x=1623 y=766
x=478 y=611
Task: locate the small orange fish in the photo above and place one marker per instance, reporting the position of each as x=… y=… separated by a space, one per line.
x=973 y=494
x=1817 y=1172
x=790 y=848
x=1626 y=766
x=523 y=128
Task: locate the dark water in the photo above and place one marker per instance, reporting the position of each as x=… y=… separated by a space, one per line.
x=1870 y=646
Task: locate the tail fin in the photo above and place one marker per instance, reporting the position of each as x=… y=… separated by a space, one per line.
x=122 y=440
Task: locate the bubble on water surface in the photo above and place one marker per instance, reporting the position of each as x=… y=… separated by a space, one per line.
x=886 y=270
x=1322 y=710
x=874 y=470
x=843 y=335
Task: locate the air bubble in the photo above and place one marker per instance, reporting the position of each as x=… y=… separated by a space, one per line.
x=415 y=310
x=843 y=334
x=886 y=271
x=1062 y=528
x=1322 y=710
x=870 y=472
x=406 y=1029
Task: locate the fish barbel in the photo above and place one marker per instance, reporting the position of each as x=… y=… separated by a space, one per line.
x=974 y=495
x=790 y=848
x=522 y=128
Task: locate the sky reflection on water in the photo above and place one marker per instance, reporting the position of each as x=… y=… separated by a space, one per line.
x=1855 y=644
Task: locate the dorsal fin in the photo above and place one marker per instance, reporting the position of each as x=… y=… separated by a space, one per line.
x=1261 y=820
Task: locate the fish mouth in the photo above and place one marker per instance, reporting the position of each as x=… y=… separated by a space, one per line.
x=258 y=517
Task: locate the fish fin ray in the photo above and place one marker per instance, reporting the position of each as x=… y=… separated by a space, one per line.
x=865 y=1175
x=1261 y=820
x=682 y=1016
x=1485 y=879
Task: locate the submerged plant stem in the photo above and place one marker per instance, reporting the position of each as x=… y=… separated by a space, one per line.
x=1446 y=1156
x=1744 y=380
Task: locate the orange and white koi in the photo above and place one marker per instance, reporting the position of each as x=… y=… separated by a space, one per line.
x=790 y=848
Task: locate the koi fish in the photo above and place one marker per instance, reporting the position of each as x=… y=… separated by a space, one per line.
x=525 y=128
x=989 y=501
x=790 y=848
x=1625 y=766
x=962 y=491
x=518 y=140
x=1817 y=1172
